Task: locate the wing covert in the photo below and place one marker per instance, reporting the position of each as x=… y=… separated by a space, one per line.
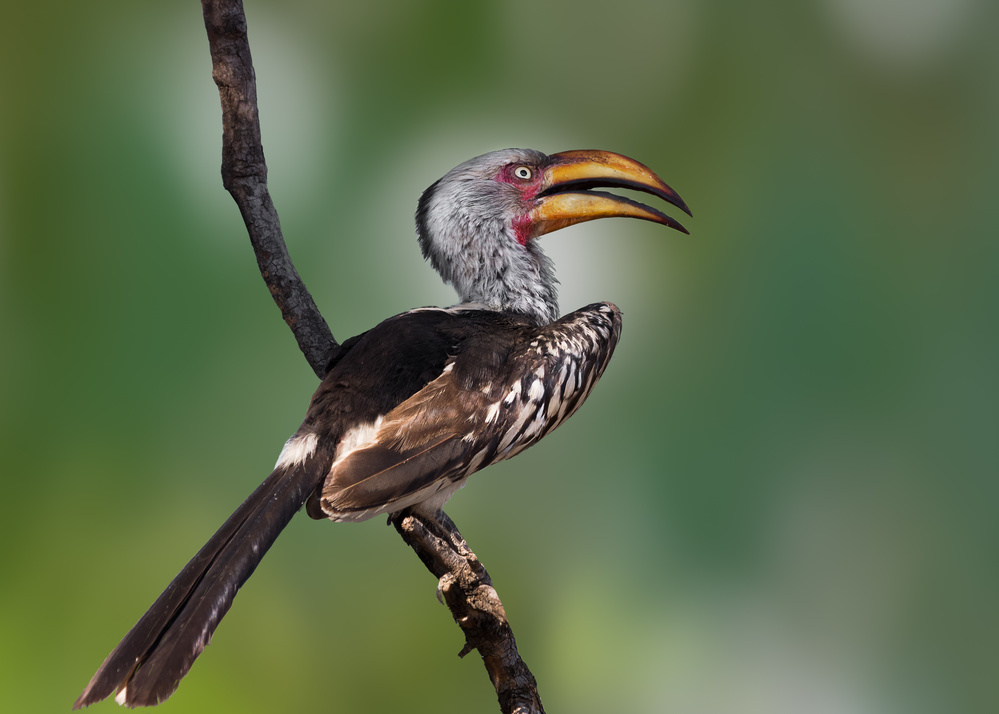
x=469 y=417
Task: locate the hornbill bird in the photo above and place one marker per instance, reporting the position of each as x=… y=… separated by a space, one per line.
x=410 y=409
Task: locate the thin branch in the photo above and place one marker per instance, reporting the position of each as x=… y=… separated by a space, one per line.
x=244 y=175
x=469 y=593
x=464 y=583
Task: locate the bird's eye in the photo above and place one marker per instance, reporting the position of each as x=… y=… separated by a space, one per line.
x=523 y=172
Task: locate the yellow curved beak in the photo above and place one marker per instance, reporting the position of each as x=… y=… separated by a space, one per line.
x=566 y=197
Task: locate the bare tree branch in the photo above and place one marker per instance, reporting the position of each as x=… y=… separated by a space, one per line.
x=469 y=594
x=464 y=582
x=244 y=175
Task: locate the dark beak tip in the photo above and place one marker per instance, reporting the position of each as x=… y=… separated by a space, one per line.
x=681 y=204
x=676 y=225
x=670 y=222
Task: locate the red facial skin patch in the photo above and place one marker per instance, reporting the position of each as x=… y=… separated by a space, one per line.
x=529 y=188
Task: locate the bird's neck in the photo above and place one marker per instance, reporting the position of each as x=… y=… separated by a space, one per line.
x=510 y=277
x=482 y=258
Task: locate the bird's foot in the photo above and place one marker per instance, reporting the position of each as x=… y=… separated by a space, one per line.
x=444 y=528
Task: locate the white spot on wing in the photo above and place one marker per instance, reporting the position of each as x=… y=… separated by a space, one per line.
x=525 y=413
x=476 y=462
x=558 y=391
x=516 y=450
x=119 y=698
x=357 y=438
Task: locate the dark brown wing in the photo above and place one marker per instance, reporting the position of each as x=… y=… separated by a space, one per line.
x=471 y=416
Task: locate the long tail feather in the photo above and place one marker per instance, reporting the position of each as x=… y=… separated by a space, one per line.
x=148 y=664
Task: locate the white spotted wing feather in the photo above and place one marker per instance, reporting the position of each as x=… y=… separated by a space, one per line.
x=422 y=451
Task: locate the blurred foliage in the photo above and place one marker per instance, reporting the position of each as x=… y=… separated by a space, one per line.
x=780 y=499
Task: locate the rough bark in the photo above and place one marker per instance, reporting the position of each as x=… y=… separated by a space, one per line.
x=463 y=582
x=244 y=175
x=468 y=592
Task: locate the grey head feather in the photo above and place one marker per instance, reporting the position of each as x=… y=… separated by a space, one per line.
x=465 y=227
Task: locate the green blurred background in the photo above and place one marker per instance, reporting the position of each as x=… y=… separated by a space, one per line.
x=781 y=498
